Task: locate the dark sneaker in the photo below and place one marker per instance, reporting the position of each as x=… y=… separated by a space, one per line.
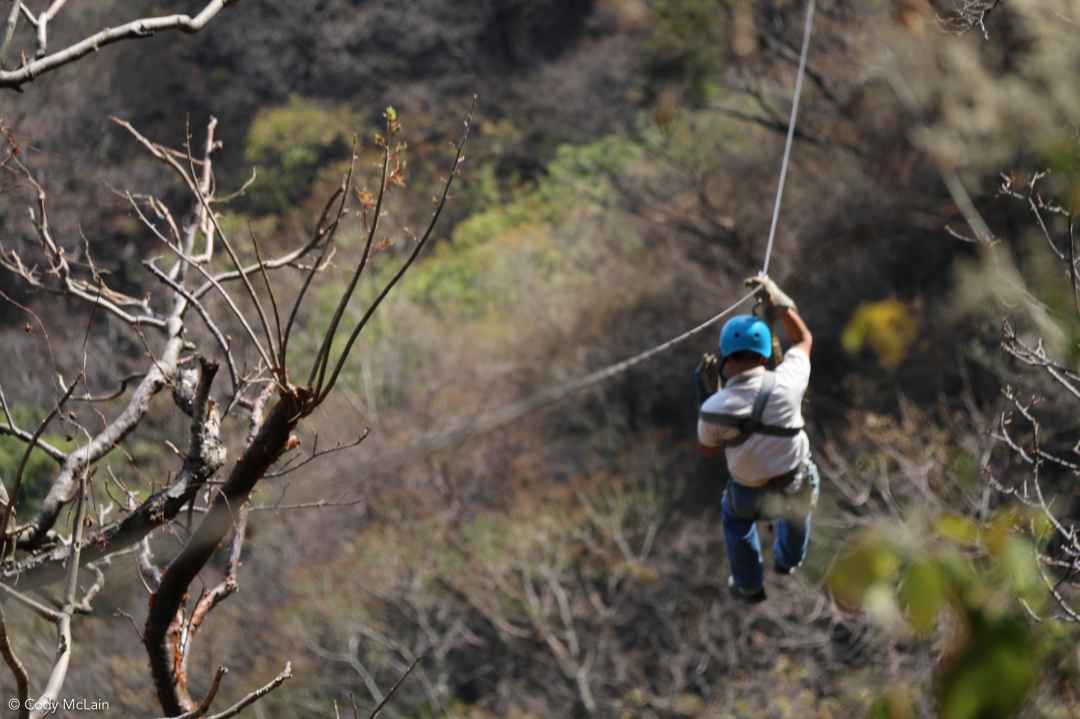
x=749 y=596
x=781 y=569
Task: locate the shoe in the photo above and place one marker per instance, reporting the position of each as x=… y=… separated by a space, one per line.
x=782 y=570
x=749 y=596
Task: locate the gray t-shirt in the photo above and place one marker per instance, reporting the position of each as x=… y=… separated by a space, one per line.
x=762 y=457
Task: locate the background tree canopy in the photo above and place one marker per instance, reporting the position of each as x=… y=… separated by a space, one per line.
x=617 y=188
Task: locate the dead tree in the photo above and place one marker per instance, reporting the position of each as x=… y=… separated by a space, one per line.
x=269 y=400
x=1037 y=426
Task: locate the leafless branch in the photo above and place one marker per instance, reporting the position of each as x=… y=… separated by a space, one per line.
x=9 y=30
x=317 y=454
x=324 y=389
x=22 y=679
x=31 y=444
x=256 y=695
x=63 y=625
x=968 y=15
x=393 y=690
x=140 y=28
x=219 y=336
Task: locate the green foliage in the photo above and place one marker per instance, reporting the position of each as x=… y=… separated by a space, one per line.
x=690 y=42
x=288 y=144
x=40 y=468
x=495 y=254
x=977 y=575
x=995 y=670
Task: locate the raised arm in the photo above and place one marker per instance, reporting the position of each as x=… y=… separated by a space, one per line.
x=797 y=332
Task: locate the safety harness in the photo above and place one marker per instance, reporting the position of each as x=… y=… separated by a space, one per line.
x=749 y=425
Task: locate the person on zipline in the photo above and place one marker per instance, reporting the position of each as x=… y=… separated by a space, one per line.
x=754 y=415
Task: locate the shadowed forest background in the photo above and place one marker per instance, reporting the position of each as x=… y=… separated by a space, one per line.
x=616 y=190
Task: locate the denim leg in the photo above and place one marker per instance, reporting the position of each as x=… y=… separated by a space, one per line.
x=741 y=536
x=793 y=535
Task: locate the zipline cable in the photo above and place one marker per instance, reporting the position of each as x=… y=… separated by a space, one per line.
x=504 y=415
x=807 y=30
x=473 y=426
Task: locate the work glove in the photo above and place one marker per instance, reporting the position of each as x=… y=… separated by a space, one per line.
x=771 y=292
x=707 y=374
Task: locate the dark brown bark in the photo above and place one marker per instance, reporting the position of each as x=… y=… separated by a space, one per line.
x=170 y=596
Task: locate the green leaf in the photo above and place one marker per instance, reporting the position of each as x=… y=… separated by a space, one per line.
x=923 y=594
x=958 y=529
x=871 y=562
x=1018 y=562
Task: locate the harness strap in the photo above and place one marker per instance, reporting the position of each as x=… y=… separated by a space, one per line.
x=768 y=384
x=753 y=424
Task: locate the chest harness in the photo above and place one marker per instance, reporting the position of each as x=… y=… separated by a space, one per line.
x=744 y=426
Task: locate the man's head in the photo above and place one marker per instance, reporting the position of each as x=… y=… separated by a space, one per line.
x=745 y=343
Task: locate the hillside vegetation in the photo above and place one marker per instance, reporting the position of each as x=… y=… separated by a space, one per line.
x=618 y=189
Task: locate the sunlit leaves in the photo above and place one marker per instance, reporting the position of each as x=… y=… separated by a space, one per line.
x=958 y=528
x=289 y=143
x=923 y=594
x=972 y=583
x=888 y=326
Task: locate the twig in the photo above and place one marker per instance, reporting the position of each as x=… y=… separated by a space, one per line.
x=219 y=336
x=323 y=391
x=9 y=30
x=22 y=679
x=25 y=458
x=320 y=232
x=134 y=29
x=191 y=262
x=316 y=455
x=256 y=695
x=63 y=625
x=397 y=684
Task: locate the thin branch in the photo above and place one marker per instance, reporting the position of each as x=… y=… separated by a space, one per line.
x=322 y=358
x=219 y=336
x=144 y=27
x=212 y=216
x=317 y=454
x=22 y=679
x=9 y=30
x=25 y=458
x=397 y=684
x=273 y=300
x=125 y=382
x=52 y=689
x=191 y=262
x=320 y=232
x=12 y=430
x=256 y=695
x=43 y=25
x=454 y=168
x=29 y=602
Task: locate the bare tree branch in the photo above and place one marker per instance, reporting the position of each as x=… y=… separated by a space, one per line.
x=9 y=30
x=52 y=689
x=22 y=679
x=140 y=28
x=256 y=695
x=324 y=390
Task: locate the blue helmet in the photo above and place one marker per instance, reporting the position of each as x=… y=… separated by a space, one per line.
x=745 y=333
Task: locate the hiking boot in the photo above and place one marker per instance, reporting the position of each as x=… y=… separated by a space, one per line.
x=749 y=596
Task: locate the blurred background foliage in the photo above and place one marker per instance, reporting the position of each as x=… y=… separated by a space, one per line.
x=617 y=190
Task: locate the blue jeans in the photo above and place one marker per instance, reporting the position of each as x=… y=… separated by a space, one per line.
x=742 y=507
